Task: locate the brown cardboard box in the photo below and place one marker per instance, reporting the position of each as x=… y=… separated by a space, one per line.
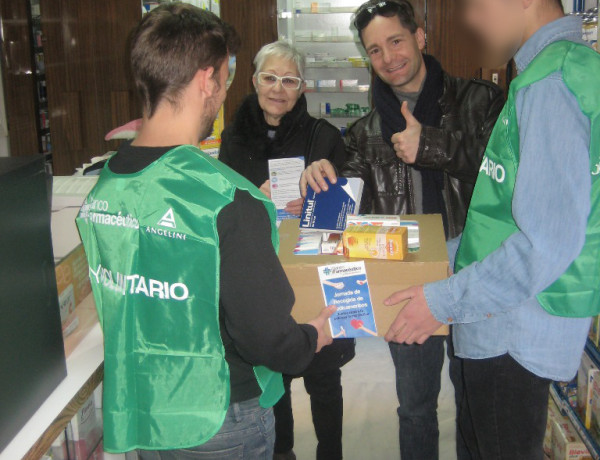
x=385 y=277
x=73 y=283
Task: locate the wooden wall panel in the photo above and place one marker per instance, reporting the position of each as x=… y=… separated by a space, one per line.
x=86 y=51
x=448 y=40
x=19 y=81
x=256 y=22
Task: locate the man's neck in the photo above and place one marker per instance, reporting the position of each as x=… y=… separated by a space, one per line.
x=167 y=128
x=539 y=17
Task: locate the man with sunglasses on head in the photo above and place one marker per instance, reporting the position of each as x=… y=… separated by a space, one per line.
x=194 y=304
x=419 y=152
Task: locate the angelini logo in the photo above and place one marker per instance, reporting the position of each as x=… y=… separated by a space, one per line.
x=168 y=220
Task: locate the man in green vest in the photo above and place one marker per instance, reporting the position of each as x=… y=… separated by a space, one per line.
x=528 y=263
x=182 y=254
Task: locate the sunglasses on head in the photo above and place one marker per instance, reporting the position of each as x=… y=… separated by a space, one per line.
x=365 y=14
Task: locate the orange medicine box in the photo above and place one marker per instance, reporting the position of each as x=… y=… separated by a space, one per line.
x=375 y=242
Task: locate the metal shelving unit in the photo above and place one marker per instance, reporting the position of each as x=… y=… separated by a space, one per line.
x=323 y=31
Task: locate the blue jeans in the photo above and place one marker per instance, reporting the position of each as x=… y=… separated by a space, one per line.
x=418 y=383
x=248 y=433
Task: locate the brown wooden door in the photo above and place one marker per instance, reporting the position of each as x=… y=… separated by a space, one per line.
x=89 y=90
x=448 y=39
x=19 y=77
x=256 y=22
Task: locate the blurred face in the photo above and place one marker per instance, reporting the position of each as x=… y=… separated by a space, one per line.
x=274 y=98
x=395 y=53
x=500 y=24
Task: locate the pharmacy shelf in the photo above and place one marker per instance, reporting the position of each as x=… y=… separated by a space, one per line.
x=359 y=90
x=334 y=119
x=335 y=65
x=308 y=12
x=566 y=409
x=593 y=351
x=327 y=39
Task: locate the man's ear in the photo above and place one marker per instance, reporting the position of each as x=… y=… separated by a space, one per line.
x=205 y=82
x=420 y=36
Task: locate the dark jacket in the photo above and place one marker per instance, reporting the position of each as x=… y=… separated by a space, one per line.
x=469 y=112
x=246 y=148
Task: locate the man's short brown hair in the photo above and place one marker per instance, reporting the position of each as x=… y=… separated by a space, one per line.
x=171 y=44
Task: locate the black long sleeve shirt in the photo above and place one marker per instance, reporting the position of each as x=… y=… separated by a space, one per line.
x=255 y=296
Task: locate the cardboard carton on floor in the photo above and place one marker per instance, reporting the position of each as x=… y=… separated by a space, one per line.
x=566 y=443
x=385 y=277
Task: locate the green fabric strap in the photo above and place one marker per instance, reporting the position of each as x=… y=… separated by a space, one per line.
x=152 y=246
x=490 y=220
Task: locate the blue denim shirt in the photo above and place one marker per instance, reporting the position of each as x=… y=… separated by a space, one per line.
x=493 y=303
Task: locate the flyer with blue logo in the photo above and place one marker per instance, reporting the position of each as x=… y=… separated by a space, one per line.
x=346 y=287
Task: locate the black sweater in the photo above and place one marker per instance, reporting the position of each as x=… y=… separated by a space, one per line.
x=256 y=297
x=247 y=148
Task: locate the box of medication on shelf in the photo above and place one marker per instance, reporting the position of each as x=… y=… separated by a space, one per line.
x=594 y=334
x=554 y=415
x=566 y=443
x=73 y=285
x=595 y=403
x=586 y=375
x=385 y=277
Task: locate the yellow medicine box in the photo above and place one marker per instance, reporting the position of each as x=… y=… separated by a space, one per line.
x=375 y=242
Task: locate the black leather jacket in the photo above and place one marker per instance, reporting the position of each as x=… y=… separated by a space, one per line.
x=469 y=112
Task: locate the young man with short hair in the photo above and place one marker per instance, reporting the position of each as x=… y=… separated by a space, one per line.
x=527 y=273
x=194 y=304
x=418 y=152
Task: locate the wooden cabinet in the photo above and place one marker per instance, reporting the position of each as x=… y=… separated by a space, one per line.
x=89 y=89
x=256 y=22
x=19 y=76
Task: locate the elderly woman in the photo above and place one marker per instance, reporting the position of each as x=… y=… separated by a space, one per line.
x=274 y=123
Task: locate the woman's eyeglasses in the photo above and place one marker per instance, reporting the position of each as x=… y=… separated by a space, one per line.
x=367 y=12
x=269 y=79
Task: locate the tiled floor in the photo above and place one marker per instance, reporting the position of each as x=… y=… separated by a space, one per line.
x=370 y=420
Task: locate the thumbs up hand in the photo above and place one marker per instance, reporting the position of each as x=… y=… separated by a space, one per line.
x=406 y=143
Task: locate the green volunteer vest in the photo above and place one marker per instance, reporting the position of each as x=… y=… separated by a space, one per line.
x=153 y=251
x=490 y=221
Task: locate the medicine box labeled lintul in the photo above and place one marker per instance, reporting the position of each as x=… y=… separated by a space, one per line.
x=374 y=242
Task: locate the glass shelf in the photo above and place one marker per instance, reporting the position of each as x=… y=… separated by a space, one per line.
x=308 y=11
x=327 y=39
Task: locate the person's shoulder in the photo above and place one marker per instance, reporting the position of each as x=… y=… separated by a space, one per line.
x=369 y=125
x=472 y=87
x=242 y=213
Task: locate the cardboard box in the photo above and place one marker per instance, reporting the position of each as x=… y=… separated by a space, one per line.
x=554 y=415
x=595 y=422
x=586 y=375
x=428 y=264
x=86 y=430
x=566 y=443
x=73 y=282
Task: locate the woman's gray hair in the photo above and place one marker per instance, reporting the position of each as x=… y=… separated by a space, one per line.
x=283 y=50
